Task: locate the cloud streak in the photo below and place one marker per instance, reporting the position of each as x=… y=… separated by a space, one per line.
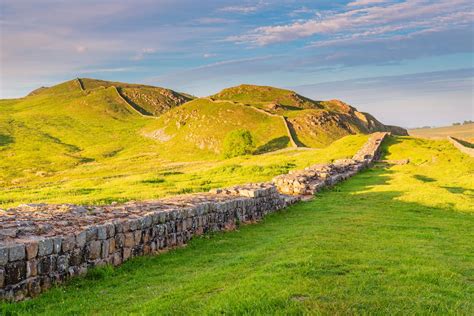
x=376 y=19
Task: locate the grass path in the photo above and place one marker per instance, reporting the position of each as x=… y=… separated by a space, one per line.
x=391 y=240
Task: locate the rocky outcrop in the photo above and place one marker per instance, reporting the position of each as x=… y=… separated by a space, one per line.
x=42 y=245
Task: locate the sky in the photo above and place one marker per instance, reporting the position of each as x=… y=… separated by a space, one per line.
x=408 y=62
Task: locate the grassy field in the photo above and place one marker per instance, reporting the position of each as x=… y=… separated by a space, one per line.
x=392 y=240
x=461 y=131
x=140 y=175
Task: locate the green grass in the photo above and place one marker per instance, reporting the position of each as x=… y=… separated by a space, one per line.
x=132 y=175
x=391 y=240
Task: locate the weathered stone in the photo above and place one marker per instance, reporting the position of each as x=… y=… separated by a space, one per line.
x=15 y=272
x=91 y=233
x=68 y=243
x=3 y=256
x=129 y=240
x=2 y=278
x=63 y=263
x=31 y=268
x=16 y=252
x=101 y=232
x=57 y=242
x=31 y=249
x=45 y=247
x=93 y=249
x=81 y=239
x=47 y=265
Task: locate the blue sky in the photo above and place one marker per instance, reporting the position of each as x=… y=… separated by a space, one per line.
x=407 y=62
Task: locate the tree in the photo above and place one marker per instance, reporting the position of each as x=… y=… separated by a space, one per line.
x=238 y=143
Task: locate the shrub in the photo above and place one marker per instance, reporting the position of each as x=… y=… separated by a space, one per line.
x=238 y=143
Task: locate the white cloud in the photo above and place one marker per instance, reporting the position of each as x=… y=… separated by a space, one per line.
x=244 y=9
x=389 y=18
x=359 y=3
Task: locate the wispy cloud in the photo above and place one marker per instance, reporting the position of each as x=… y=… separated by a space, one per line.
x=359 y=3
x=144 y=52
x=244 y=9
x=387 y=18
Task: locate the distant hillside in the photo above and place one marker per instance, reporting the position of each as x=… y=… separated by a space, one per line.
x=459 y=131
x=88 y=121
x=313 y=123
x=148 y=100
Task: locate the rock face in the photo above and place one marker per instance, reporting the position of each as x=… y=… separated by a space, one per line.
x=42 y=245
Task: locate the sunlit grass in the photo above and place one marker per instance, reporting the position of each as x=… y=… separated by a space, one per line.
x=391 y=240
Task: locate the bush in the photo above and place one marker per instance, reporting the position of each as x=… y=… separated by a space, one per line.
x=238 y=143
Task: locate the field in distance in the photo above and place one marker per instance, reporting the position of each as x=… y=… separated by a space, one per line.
x=465 y=132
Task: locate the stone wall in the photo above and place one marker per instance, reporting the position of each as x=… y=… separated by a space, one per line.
x=313 y=178
x=461 y=147
x=42 y=245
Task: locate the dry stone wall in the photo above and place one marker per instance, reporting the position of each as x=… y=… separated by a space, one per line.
x=313 y=178
x=461 y=147
x=42 y=245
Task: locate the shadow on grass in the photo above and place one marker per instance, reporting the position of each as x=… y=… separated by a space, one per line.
x=343 y=252
x=423 y=178
x=274 y=144
x=5 y=140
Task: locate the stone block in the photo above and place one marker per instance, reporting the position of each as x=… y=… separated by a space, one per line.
x=57 y=242
x=33 y=286
x=137 y=235
x=62 y=263
x=47 y=265
x=2 y=278
x=81 y=239
x=91 y=233
x=110 y=228
x=94 y=248
x=127 y=252
x=111 y=245
x=68 y=243
x=31 y=268
x=16 y=252
x=45 y=247
x=101 y=232
x=3 y=256
x=31 y=249
x=105 y=249
x=15 y=272
x=129 y=240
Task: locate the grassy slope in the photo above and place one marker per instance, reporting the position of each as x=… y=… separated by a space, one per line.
x=313 y=123
x=138 y=175
x=149 y=100
x=392 y=240
x=461 y=131
x=201 y=125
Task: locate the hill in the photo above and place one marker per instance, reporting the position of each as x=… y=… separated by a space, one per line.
x=459 y=131
x=72 y=139
x=148 y=100
x=313 y=123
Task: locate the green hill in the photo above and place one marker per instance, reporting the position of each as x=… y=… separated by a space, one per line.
x=312 y=123
x=74 y=138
